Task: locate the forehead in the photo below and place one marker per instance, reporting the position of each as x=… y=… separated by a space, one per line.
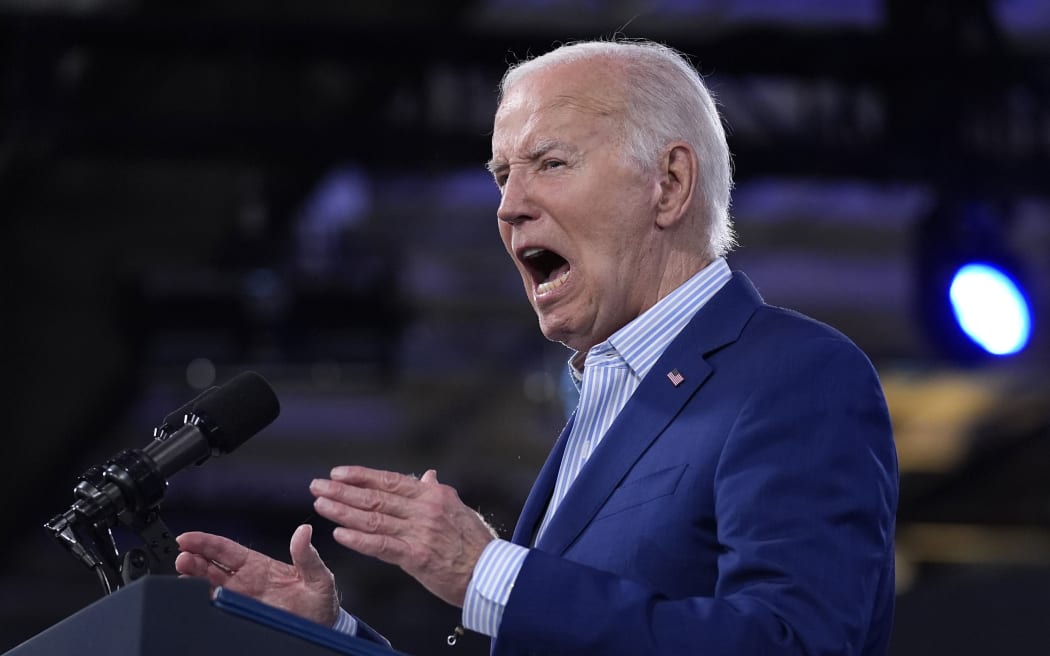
x=553 y=104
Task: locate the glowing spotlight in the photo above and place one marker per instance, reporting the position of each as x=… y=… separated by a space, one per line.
x=991 y=309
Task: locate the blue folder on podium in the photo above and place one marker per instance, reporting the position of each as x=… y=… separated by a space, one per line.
x=169 y=616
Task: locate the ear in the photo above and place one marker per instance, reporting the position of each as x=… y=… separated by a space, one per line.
x=678 y=173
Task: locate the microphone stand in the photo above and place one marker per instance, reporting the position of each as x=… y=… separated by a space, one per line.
x=85 y=530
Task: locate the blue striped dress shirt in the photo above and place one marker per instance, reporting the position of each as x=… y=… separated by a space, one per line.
x=612 y=371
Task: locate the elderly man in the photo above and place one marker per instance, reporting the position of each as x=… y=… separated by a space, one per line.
x=728 y=483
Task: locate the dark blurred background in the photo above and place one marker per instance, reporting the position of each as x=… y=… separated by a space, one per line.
x=189 y=189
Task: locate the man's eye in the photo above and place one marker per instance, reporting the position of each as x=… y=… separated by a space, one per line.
x=553 y=163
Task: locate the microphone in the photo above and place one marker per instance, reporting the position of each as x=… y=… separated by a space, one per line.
x=129 y=487
x=220 y=420
x=216 y=422
x=177 y=418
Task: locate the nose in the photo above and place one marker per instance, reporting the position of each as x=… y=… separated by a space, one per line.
x=515 y=203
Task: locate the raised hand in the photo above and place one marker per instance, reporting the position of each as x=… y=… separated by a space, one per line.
x=305 y=588
x=417 y=524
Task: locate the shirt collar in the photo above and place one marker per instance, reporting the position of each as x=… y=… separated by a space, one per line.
x=644 y=339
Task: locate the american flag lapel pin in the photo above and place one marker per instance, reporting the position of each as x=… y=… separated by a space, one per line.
x=675 y=377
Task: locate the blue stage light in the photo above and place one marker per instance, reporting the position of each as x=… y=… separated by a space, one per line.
x=991 y=308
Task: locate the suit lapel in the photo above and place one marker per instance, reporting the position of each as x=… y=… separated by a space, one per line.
x=542 y=489
x=653 y=406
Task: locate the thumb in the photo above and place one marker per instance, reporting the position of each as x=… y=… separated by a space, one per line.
x=305 y=557
x=431 y=476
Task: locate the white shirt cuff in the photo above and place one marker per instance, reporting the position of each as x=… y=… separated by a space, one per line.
x=345 y=623
x=490 y=586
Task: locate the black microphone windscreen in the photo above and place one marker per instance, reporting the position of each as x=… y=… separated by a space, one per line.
x=237 y=410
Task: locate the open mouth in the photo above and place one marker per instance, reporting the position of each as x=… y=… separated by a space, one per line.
x=548 y=269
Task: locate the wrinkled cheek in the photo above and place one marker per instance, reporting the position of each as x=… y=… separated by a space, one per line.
x=505 y=237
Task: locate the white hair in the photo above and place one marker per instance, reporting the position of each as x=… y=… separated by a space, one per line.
x=665 y=100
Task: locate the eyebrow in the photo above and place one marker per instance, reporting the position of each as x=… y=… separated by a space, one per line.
x=493 y=167
x=541 y=148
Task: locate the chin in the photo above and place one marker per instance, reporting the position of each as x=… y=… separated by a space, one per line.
x=566 y=338
x=556 y=333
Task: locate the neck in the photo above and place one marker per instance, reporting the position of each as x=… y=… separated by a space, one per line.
x=679 y=268
x=675 y=273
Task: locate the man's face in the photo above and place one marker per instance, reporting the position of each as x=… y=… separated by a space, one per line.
x=576 y=214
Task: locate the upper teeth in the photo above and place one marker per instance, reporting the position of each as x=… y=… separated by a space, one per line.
x=531 y=252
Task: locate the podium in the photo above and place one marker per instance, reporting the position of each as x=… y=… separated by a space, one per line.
x=169 y=616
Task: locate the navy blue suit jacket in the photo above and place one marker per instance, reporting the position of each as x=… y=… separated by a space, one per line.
x=748 y=510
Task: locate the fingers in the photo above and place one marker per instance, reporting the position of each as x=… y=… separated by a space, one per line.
x=418 y=524
x=375 y=491
x=305 y=557
x=363 y=520
x=380 y=513
x=362 y=498
x=386 y=481
x=383 y=547
x=224 y=552
x=189 y=564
